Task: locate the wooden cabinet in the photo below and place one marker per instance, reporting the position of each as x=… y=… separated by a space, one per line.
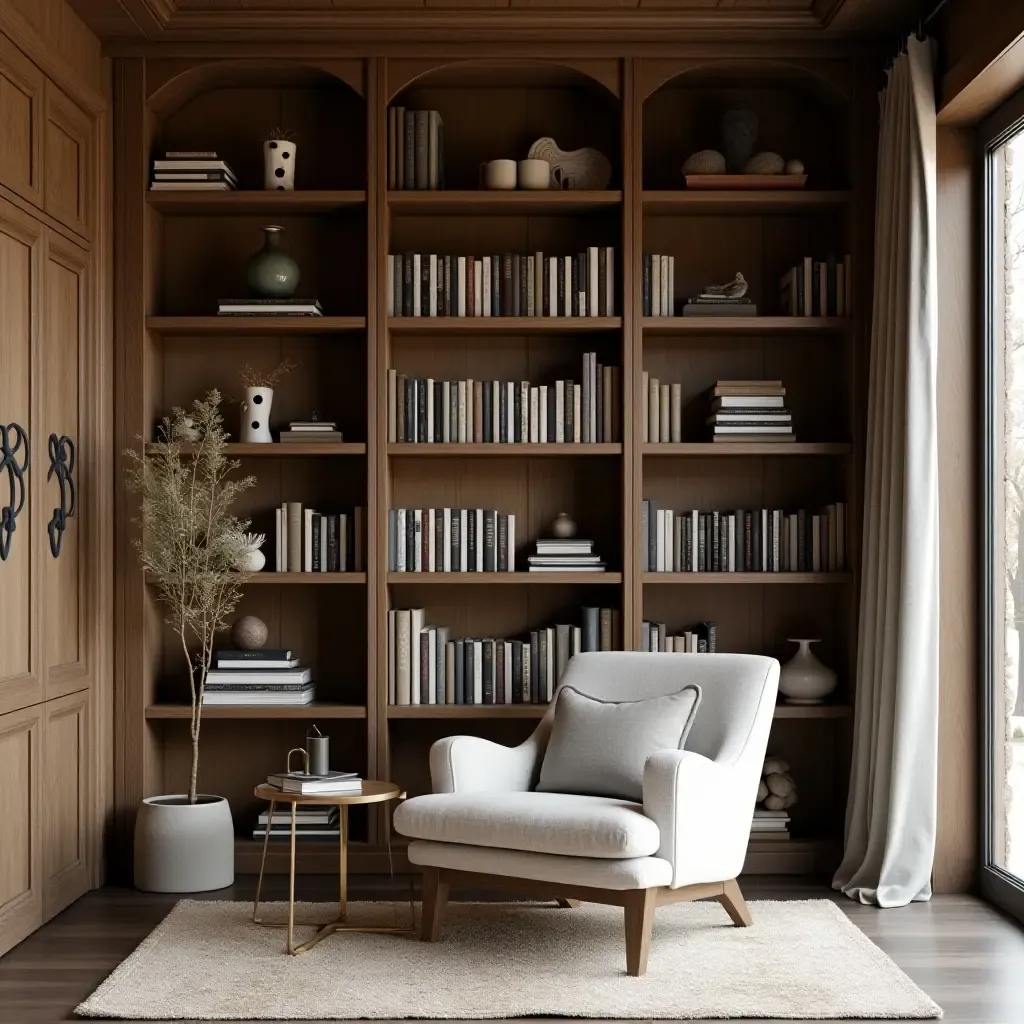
x=22 y=88
x=67 y=162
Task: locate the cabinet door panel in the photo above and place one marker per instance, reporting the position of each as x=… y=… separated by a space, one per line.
x=21 y=120
x=21 y=256
x=65 y=824
x=62 y=351
x=67 y=161
x=20 y=870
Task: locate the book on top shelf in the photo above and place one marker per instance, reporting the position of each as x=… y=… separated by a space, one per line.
x=269 y=307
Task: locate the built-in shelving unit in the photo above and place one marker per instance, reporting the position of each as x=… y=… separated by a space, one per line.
x=647 y=116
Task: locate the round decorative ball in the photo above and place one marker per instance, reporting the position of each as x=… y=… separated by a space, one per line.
x=249 y=633
x=563 y=526
x=705 y=161
x=764 y=163
x=794 y=167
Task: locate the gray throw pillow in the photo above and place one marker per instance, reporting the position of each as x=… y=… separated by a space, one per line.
x=599 y=748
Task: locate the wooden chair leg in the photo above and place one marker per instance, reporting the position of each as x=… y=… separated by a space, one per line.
x=735 y=905
x=567 y=904
x=639 y=919
x=435 y=896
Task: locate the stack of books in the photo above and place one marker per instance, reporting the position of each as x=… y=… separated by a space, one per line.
x=415 y=149
x=702 y=639
x=769 y=825
x=312 y=431
x=571 y=554
x=451 y=540
x=198 y=171
x=719 y=305
x=817 y=288
x=315 y=785
x=659 y=289
x=257 y=677
x=312 y=821
x=750 y=410
x=309 y=541
x=269 y=307
x=504 y=284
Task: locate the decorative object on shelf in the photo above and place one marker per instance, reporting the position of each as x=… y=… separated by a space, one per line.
x=498 y=174
x=804 y=679
x=259 y=397
x=574 y=169
x=704 y=161
x=734 y=289
x=249 y=633
x=185 y=842
x=794 y=167
x=12 y=439
x=563 y=526
x=765 y=163
x=318 y=752
x=777 y=790
x=729 y=299
x=279 y=161
x=271 y=273
x=533 y=174
x=62 y=462
x=186 y=431
x=253 y=559
x=739 y=135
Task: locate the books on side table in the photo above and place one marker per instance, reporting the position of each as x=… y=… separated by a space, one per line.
x=192 y=171
x=305 y=784
x=269 y=307
x=257 y=678
x=565 y=555
x=750 y=410
x=312 y=821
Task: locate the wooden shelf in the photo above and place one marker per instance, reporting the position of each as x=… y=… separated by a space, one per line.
x=740 y=203
x=500 y=579
x=312 y=579
x=259 y=711
x=757 y=579
x=792 y=857
x=254 y=202
x=203 y=326
x=511 y=203
x=286 y=450
x=498 y=450
x=744 y=324
x=782 y=711
x=502 y=324
x=818 y=711
x=711 y=449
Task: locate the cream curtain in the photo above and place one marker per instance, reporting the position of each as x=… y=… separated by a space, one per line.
x=890 y=821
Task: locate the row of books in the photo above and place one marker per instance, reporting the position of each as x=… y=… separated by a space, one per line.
x=311 y=432
x=817 y=287
x=504 y=284
x=427 y=666
x=269 y=307
x=658 y=290
x=451 y=540
x=265 y=677
x=427 y=411
x=192 y=171
x=750 y=410
x=655 y=637
x=415 y=149
x=309 y=541
x=758 y=540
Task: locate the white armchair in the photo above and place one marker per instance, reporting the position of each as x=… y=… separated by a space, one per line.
x=485 y=826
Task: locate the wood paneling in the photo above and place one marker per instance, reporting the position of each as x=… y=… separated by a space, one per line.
x=21 y=122
x=68 y=162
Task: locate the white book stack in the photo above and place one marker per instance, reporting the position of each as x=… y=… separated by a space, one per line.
x=193 y=171
x=565 y=555
x=262 y=677
x=311 y=822
x=311 y=432
x=770 y=825
x=750 y=410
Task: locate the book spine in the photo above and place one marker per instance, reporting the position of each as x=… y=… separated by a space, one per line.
x=507 y=293
x=410 y=149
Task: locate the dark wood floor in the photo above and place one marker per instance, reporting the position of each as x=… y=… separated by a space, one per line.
x=966 y=956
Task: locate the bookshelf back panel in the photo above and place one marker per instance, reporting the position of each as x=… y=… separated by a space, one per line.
x=535 y=490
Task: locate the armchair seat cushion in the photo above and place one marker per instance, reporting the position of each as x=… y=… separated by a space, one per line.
x=550 y=823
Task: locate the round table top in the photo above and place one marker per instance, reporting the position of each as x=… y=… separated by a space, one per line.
x=373 y=791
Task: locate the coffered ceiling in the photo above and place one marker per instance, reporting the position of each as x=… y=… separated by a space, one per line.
x=388 y=20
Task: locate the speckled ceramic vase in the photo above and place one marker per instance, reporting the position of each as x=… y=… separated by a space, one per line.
x=272 y=273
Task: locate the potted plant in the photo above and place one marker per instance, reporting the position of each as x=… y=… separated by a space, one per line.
x=193 y=551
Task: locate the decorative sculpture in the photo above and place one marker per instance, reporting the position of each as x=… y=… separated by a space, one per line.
x=734 y=289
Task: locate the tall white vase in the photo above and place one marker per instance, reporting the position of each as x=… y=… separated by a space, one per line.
x=256 y=416
x=279 y=165
x=804 y=679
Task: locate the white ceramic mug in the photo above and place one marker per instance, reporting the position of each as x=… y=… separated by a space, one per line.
x=498 y=174
x=534 y=174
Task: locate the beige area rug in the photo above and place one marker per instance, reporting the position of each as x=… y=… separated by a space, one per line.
x=801 y=959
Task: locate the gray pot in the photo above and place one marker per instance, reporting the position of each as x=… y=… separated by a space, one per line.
x=272 y=273
x=183 y=847
x=739 y=136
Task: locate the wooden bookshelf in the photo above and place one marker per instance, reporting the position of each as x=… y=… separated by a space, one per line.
x=186 y=250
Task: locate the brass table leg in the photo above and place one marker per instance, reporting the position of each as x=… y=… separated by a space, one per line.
x=291 y=887
x=263 y=864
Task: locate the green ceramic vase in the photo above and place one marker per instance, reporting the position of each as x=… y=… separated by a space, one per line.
x=272 y=273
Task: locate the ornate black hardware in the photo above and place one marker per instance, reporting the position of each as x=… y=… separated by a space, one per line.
x=15 y=481
x=62 y=462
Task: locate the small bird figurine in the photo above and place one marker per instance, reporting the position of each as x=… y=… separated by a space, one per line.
x=735 y=289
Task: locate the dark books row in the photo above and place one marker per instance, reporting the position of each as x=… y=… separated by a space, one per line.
x=702 y=639
x=503 y=284
x=818 y=287
x=311 y=541
x=451 y=540
x=427 y=666
x=658 y=295
x=415 y=149
x=758 y=540
x=427 y=411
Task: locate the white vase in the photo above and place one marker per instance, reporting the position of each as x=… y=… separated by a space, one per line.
x=256 y=416
x=804 y=679
x=183 y=847
x=253 y=561
x=279 y=165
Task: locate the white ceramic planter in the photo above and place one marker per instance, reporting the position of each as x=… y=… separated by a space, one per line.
x=183 y=847
x=256 y=416
x=253 y=561
x=279 y=165
x=804 y=679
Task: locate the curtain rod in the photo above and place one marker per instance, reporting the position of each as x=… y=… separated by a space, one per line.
x=919 y=29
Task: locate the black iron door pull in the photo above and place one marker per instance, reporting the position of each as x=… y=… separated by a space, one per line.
x=62 y=462
x=12 y=439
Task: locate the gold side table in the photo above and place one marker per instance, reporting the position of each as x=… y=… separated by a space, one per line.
x=372 y=792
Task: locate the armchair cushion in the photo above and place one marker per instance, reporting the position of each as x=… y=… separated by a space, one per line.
x=599 y=747
x=549 y=823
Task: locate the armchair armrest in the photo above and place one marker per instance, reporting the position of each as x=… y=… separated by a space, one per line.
x=703 y=810
x=469 y=764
